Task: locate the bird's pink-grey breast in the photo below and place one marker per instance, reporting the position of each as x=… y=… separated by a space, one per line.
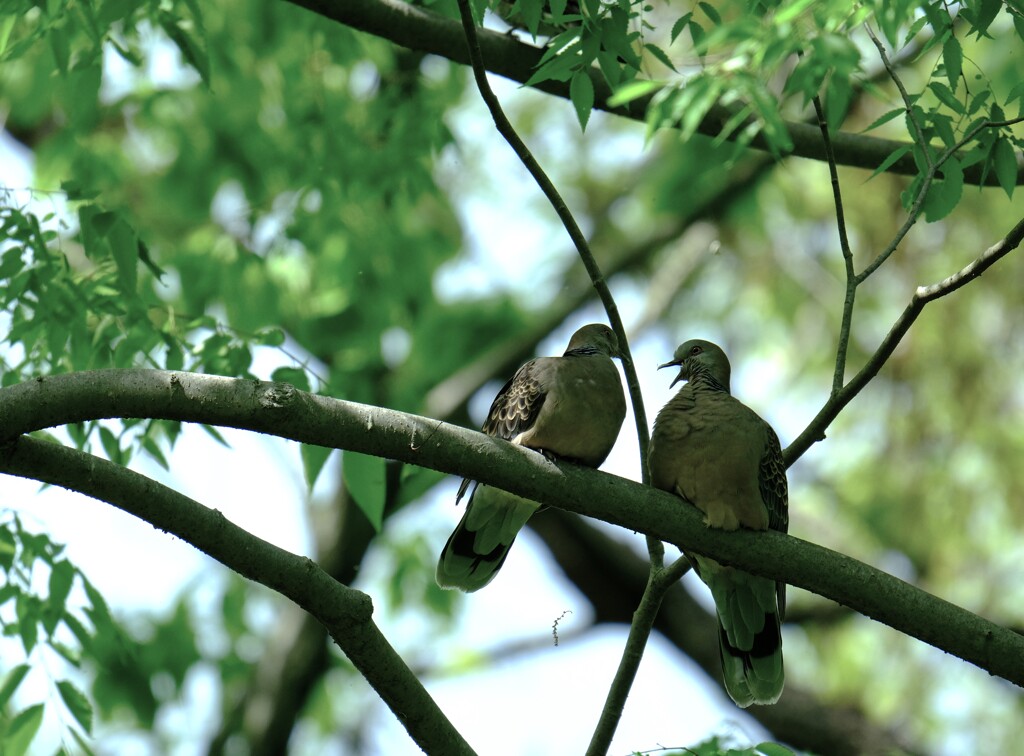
x=720 y=456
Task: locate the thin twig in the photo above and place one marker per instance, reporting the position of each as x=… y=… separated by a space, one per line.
x=927 y=177
x=658 y=582
x=641 y=626
x=915 y=210
x=907 y=103
x=844 y=244
x=505 y=128
x=815 y=431
x=912 y=216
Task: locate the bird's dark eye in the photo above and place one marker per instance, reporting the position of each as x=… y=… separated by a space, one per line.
x=694 y=351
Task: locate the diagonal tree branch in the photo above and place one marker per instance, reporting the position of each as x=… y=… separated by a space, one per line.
x=815 y=430
x=420 y=29
x=345 y=612
x=282 y=410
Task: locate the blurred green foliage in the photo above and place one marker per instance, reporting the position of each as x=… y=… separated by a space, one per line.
x=216 y=181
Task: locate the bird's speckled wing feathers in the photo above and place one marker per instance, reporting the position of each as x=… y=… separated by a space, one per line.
x=517 y=405
x=772 y=482
x=513 y=410
x=775 y=494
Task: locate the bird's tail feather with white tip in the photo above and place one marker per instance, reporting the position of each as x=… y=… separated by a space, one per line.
x=749 y=633
x=477 y=548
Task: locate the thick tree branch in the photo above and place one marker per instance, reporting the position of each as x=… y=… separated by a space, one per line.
x=345 y=612
x=419 y=29
x=284 y=411
x=815 y=430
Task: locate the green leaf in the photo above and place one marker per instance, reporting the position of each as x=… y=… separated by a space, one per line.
x=153 y=449
x=837 y=101
x=661 y=55
x=72 y=656
x=215 y=434
x=147 y=260
x=939 y=21
x=693 y=104
x=415 y=482
x=11 y=682
x=791 y=11
x=915 y=29
x=952 y=59
x=22 y=730
x=75 y=191
x=60 y=47
x=77 y=704
x=985 y=15
x=979 y=100
x=83 y=88
x=632 y=91
x=103 y=221
x=581 y=92
x=772 y=749
x=313 y=460
x=8 y=547
x=895 y=113
x=364 y=476
x=1018 y=24
x=98 y=612
x=889 y=161
x=680 y=24
x=26 y=609
x=1016 y=93
x=612 y=69
x=82 y=635
x=92 y=242
x=946 y=97
x=736 y=120
x=711 y=12
x=79 y=434
x=270 y=336
x=699 y=37
x=191 y=51
x=944 y=195
x=1004 y=160
x=559 y=68
x=84 y=746
x=61 y=577
x=111 y=447
x=6 y=27
x=124 y=244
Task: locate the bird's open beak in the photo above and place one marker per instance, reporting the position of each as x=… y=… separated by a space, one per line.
x=679 y=377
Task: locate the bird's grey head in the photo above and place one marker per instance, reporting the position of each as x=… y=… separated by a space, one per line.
x=699 y=359
x=596 y=337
